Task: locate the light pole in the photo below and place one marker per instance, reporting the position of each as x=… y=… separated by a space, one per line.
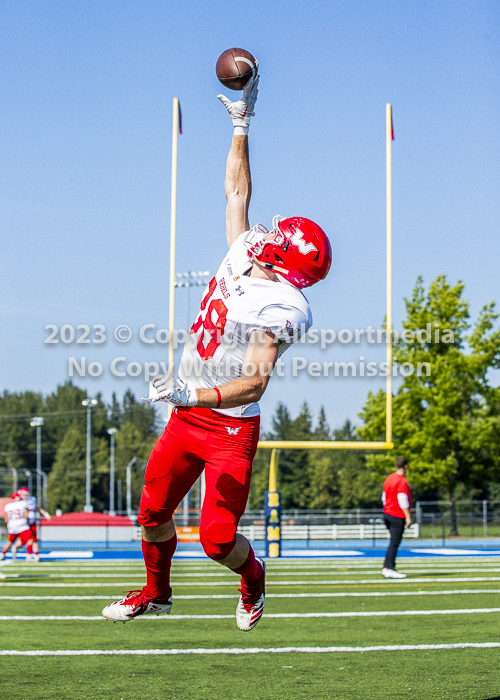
x=88 y=403
x=188 y=280
x=37 y=423
x=111 y=433
x=130 y=515
x=29 y=475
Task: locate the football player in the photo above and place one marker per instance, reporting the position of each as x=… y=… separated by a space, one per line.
x=32 y=552
x=250 y=313
x=16 y=517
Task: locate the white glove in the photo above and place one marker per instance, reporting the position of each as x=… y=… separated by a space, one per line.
x=242 y=111
x=165 y=387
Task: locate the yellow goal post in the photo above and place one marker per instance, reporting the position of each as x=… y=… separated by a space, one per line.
x=359 y=445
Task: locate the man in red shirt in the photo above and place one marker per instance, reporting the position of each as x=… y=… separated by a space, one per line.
x=396 y=498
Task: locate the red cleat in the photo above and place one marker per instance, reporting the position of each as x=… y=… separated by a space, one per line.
x=251 y=604
x=137 y=603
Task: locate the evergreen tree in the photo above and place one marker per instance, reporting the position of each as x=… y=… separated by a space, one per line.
x=66 y=482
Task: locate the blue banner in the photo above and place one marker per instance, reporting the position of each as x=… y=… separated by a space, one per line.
x=272 y=512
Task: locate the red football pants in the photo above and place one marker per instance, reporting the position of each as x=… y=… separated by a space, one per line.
x=24 y=536
x=194 y=440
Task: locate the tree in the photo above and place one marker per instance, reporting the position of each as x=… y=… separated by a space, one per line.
x=445 y=416
x=293 y=476
x=341 y=478
x=315 y=478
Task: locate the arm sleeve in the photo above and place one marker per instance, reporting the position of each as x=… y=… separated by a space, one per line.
x=383 y=497
x=403 y=500
x=286 y=323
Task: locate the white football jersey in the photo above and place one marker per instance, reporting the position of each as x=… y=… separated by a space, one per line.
x=233 y=306
x=16 y=523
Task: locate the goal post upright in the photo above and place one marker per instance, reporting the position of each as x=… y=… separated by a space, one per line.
x=359 y=445
x=389 y=135
x=173 y=224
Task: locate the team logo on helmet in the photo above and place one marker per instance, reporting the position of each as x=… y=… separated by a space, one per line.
x=297 y=250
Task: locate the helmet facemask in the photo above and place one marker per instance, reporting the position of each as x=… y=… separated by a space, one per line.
x=258 y=238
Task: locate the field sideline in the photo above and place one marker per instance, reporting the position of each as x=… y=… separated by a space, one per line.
x=333 y=628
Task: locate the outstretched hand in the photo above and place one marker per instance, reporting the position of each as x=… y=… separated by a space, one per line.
x=241 y=111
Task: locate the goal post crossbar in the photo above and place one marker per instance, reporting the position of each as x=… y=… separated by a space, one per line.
x=323 y=445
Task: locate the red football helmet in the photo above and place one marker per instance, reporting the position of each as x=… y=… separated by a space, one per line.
x=16 y=497
x=296 y=249
x=23 y=491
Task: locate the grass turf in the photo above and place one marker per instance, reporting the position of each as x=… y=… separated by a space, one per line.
x=457 y=673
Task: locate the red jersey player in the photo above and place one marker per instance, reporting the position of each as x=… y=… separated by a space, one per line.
x=251 y=311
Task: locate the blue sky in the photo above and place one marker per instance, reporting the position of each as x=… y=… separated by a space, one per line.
x=85 y=128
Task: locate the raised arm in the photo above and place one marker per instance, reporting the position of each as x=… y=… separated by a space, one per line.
x=238 y=182
x=238 y=188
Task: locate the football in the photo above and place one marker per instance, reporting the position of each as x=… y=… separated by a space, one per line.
x=235 y=67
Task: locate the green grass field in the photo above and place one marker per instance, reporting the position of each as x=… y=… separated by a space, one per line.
x=313 y=605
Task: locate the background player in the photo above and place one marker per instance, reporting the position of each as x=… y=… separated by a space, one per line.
x=32 y=552
x=396 y=497
x=252 y=310
x=16 y=517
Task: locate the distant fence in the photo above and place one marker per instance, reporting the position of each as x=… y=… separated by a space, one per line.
x=432 y=520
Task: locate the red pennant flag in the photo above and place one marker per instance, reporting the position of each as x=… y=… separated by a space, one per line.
x=180 y=119
x=392 y=127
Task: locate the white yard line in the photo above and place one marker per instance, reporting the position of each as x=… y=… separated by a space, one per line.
x=273 y=572
x=385 y=613
x=377 y=594
x=193 y=584
x=249 y=650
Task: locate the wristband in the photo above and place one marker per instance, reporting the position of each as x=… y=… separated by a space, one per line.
x=241 y=130
x=219 y=397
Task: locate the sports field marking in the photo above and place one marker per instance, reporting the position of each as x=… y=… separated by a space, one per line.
x=276 y=565
x=220 y=584
x=249 y=650
x=208 y=570
x=273 y=572
x=385 y=613
x=223 y=596
x=279 y=569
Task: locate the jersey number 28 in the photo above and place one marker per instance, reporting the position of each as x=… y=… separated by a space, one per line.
x=215 y=330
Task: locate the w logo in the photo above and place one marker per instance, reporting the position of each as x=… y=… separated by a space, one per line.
x=298 y=240
x=232 y=431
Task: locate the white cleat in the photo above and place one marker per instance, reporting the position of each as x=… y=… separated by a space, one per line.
x=35 y=557
x=392 y=573
x=251 y=604
x=14 y=553
x=134 y=604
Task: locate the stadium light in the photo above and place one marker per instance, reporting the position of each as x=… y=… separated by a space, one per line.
x=89 y=403
x=29 y=476
x=37 y=423
x=111 y=433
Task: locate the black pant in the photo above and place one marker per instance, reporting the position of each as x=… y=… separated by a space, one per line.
x=396 y=527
